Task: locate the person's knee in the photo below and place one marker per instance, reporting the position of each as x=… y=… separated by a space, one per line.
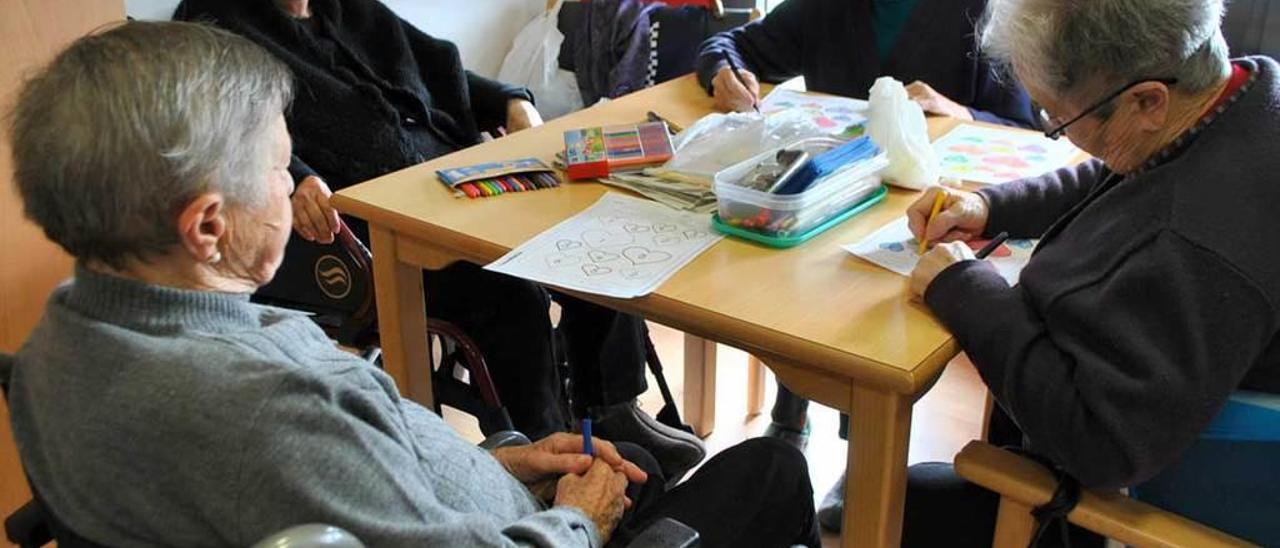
x=780 y=462
x=640 y=457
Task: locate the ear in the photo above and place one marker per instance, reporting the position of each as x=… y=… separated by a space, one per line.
x=1152 y=102
x=201 y=224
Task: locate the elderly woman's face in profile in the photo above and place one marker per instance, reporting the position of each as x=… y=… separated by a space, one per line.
x=259 y=232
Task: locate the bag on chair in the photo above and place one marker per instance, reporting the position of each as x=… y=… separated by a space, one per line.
x=532 y=63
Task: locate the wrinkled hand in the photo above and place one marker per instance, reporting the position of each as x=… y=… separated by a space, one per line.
x=963 y=217
x=313 y=217
x=934 y=262
x=521 y=115
x=936 y=103
x=538 y=465
x=730 y=95
x=600 y=494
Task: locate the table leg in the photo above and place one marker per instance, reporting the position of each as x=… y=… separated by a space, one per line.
x=700 y=384
x=879 y=432
x=402 y=318
x=755 y=386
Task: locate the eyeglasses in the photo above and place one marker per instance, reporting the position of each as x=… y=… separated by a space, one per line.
x=1055 y=133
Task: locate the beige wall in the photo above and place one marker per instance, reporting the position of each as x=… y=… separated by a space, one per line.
x=31 y=32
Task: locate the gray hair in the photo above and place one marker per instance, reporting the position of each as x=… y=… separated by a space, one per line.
x=1063 y=46
x=125 y=127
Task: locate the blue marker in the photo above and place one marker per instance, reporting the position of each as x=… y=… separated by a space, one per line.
x=586 y=438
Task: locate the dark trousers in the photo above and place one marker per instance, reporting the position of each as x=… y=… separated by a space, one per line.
x=756 y=493
x=943 y=509
x=508 y=318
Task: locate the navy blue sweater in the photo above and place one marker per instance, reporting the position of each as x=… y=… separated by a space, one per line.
x=1150 y=298
x=832 y=44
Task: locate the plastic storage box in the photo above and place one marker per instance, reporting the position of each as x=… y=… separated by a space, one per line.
x=788 y=220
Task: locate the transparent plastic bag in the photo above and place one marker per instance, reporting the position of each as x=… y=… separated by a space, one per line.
x=897 y=125
x=532 y=63
x=718 y=141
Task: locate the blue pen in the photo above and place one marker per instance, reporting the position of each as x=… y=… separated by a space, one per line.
x=586 y=438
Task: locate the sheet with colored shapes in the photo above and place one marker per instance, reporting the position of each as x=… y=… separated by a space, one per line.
x=621 y=247
x=843 y=117
x=988 y=155
x=894 y=248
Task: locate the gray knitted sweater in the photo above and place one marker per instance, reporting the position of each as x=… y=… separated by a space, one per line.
x=150 y=416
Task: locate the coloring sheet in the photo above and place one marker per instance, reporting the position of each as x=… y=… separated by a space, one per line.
x=992 y=156
x=893 y=247
x=843 y=117
x=620 y=247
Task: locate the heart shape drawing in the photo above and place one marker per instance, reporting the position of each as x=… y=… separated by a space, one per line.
x=694 y=234
x=1034 y=149
x=557 y=260
x=565 y=245
x=895 y=247
x=666 y=239
x=600 y=256
x=641 y=255
x=604 y=238
x=956 y=159
x=595 y=269
x=1002 y=251
x=634 y=228
x=967 y=149
x=1021 y=244
x=665 y=227
x=631 y=273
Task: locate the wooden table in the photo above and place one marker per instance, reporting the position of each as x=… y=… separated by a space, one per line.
x=834 y=328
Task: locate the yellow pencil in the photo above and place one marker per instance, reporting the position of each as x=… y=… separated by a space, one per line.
x=938 y=198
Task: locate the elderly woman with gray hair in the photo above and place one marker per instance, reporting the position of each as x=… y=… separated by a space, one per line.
x=1155 y=290
x=154 y=405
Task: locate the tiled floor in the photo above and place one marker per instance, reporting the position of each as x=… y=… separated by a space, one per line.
x=944 y=420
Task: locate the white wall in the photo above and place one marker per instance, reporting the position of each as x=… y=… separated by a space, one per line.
x=482 y=29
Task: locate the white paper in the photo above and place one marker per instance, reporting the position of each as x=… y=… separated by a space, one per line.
x=840 y=116
x=620 y=247
x=894 y=248
x=991 y=156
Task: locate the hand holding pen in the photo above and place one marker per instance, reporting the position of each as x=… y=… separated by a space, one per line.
x=735 y=89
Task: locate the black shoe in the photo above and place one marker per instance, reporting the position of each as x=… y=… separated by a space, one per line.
x=831 y=511
x=676 y=451
x=795 y=437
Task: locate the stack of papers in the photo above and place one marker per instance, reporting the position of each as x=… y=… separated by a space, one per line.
x=620 y=247
x=684 y=194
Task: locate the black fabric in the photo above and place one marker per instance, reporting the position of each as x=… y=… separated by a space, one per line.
x=611 y=48
x=1147 y=302
x=373 y=93
x=508 y=318
x=832 y=44
x=756 y=493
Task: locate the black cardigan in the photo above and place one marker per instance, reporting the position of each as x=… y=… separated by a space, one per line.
x=832 y=44
x=374 y=95
x=1149 y=299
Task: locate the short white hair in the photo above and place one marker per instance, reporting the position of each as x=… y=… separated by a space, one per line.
x=1064 y=46
x=114 y=136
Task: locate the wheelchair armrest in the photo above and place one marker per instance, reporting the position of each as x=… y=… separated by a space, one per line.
x=312 y=535
x=667 y=533
x=504 y=438
x=28 y=526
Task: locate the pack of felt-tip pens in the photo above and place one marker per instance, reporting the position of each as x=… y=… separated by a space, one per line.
x=495 y=178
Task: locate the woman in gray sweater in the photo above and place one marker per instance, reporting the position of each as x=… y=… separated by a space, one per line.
x=155 y=406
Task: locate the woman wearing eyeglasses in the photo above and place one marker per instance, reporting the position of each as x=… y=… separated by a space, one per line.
x=1155 y=290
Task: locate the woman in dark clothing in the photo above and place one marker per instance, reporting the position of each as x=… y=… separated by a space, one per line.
x=376 y=95
x=841 y=47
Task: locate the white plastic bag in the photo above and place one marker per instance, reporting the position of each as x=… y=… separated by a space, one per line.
x=532 y=63
x=897 y=125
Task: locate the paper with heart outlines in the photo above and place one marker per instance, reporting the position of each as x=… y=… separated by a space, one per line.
x=989 y=155
x=894 y=248
x=620 y=247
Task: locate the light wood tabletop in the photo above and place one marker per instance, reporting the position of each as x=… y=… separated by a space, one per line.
x=834 y=328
